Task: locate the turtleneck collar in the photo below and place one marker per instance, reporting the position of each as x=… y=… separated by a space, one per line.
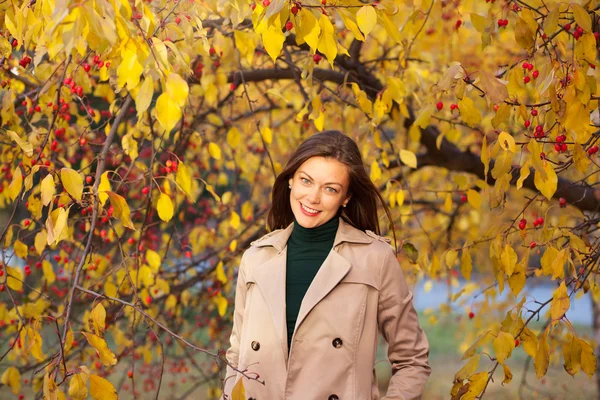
x=321 y=233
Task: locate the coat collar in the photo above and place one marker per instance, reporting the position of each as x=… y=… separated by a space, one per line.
x=345 y=233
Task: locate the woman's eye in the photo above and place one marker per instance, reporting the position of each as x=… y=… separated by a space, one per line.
x=304 y=180
x=331 y=190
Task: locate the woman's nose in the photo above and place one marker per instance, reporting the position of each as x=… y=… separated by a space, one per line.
x=313 y=196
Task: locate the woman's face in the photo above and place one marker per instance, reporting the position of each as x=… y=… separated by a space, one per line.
x=319 y=188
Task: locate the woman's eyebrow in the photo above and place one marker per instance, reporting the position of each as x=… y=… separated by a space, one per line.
x=328 y=183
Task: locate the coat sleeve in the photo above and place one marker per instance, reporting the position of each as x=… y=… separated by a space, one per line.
x=408 y=348
x=233 y=352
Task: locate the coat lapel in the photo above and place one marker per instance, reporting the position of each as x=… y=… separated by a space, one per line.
x=331 y=272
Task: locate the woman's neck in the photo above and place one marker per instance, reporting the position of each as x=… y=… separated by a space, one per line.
x=321 y=233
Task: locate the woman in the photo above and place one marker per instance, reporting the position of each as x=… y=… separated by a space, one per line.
x=312 y=295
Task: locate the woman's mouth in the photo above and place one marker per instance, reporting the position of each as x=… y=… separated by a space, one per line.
x=308 y=210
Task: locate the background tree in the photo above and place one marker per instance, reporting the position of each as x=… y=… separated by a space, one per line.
x=139 y=142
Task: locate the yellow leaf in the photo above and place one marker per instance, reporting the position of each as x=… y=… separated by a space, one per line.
x=23 y=144
x=106 y=356
x=474 y=199
x=466 y=264
x=547 y=259
x=273 y=39
x=98 y=316
x=146 y=276
x=168 y=112
x=153 y=259
x=214 y=150
x=572 y=356
x=233 y=245
x=327 y=44
x=102 y=389
x=375 y=171
x=78 y=387
x=129 y=70
x=582 y=17
x=238 y=392
x=542 y=357
x=366 y=18
x=523 y=34
x=530 y=342
x=221 y=303
x=16 y=184
x=479 y=22
x=451 y=256
x=110 y=289
x=48 y=272
x=468 y=369
x=47 y=189
x=501 y=115
x=143 y=98
x=103 y=188
x=551 y=21
x=221 y=273
x=51 y=391
x=55 y=225
x=507 y=375
x=509 y=259
x=469 y=113
x=525 y=171
x=183 y=178
x=12 y=378
x=164 y=206
x=408 y=157
x=473 y=348
x=130 y=145
x=40 y=241
x=516 y=281
x=503 y=346
x=15 y=278
x=235 y=220
x=234 y=136
x=350 y=24
x=476 y=384
x=485 y=157
x=548 y=185
x=177 y=89
x=121 y=209
x=20 y=249
x=73 y=182
x=69 y=340
x=560 y=302
x=507 y=142
x=34 y=344
x=267 y=135
x=588 y=359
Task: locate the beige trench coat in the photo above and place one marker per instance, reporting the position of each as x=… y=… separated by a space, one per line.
x=359 y=290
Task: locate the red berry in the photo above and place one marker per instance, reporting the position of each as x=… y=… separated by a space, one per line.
x=88 y=179
x=212 y=51
x=535 y=74
x=177 y=20
x=131 y=240
x=96 y=59
x=266 y=3
x=534 y=112
x=289 y=25
x=15 y=43
x=567 y=27
x=295 y=9
x=517 y=342
x=532 y=245
x=103 y=233
x=593 y=150
x=471 y=315
x=148 y=299
x=440 y=105
x=563 y=202
x=87 y=67
x=453 y=107
x=317 y=58
x=27 y=222
x=527 y=123
x=324 y=2
x=526 y=79
x=463 y=198
x=458 y=24
x=130 y=374
x=525 y=65
x=145 y=190
x=253 y=6
x=232 y=86
x=522 y=225
x=82 y=141
x=563 y=147
x=596 y=35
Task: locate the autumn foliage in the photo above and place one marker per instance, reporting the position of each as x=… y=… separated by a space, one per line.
x=139 y=140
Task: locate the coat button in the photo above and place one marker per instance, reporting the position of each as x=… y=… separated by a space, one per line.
x=255 y=345
x=333 y=397
x=337 y=343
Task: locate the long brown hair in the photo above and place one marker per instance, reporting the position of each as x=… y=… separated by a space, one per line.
x=361 y=211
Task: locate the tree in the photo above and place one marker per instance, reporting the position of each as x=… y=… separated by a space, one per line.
x=139 y=143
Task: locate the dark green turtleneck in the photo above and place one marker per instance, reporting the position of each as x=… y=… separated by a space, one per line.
x=307 y=248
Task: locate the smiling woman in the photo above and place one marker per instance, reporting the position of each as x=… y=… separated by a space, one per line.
x=313 y=295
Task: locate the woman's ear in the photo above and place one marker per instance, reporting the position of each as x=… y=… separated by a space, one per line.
x=290 y=181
